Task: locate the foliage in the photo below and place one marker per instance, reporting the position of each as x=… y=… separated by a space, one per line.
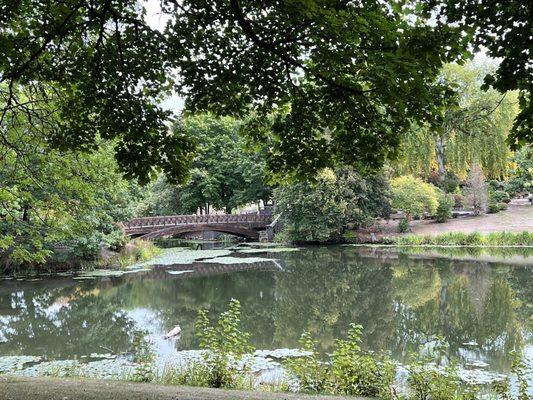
x=135 y=252
x=53 y=198
x=350 y=371
x=144 y=357
x=450 y=183
x=476 y=194
x=473 y=124
x=225 y=344
x=500 y=196
x=521 y=180
x=360 y=74
x=503 y=28
x=444 y=210
x=427 y=382
x=223 y=175
x=338 y=200
x=414 y=196
x=524 y=238
x=403 y=225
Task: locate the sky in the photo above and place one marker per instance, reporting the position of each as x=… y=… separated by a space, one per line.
x=157 y=20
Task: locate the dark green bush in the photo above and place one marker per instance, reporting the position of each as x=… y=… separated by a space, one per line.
x=444 y=210
x=500 y=196
x=403 y=225
x=493 y=208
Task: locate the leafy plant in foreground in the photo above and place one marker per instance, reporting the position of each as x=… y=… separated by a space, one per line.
x=349 y=371
x=225 y=344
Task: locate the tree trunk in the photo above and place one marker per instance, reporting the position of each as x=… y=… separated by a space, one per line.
x=440 y=152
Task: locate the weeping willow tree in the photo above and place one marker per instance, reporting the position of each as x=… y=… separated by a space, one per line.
x=473 y=126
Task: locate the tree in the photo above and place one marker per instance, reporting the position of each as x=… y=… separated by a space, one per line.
x=414 y=196
x=476 y=194
x=223 y=175
x=521 y=180
x=51 y=197
x=504 y=29
x=322 y=211
x=473 y=124
x=342 y=80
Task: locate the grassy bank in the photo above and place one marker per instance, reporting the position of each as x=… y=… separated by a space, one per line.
x=134 y=252
x=475 y=239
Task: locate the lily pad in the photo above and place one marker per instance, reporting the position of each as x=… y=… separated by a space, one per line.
x=185 y=256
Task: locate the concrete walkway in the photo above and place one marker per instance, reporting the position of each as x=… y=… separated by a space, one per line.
x=24 y=388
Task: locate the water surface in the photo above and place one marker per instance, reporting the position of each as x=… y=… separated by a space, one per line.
x=406 y=303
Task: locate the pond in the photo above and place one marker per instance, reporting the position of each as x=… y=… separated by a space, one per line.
x=480 y=306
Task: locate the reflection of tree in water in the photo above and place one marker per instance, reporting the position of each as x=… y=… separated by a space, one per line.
x=461 y=303
x=177 y=301
x=401 y=302
x=63 y=323
x=323 y=290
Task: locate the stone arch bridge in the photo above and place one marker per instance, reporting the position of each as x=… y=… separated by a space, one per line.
x=247 y=226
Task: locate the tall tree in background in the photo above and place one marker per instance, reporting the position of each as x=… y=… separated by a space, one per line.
x=223 y=175
x=504 y=28
x=473 y=124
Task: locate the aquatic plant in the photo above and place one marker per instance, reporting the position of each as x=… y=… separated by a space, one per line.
x=349 y=370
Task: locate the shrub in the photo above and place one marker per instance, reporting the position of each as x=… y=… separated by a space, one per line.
x=403 y=225
x=493 y=208
x=502 y=206
x=521 y=180
x=444 y=210
x=414 y=196
x=499 y=196
x=225 y=344
x=450 y=182
x=324 y=210
x=458 y=200
x=350 y=371
x=476 y=191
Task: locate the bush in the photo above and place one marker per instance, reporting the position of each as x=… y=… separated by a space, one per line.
x=503 y=206
x=444 y=210
x=225 y=344
x=521 y=180
x=414 y=196
x=499 y=196
x=349 y=371
x=324 y=210
x=403 y=225
x=450 y=183
x=493 y=208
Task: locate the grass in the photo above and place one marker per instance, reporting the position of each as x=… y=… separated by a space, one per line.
x=475 y=239
x=136 y=252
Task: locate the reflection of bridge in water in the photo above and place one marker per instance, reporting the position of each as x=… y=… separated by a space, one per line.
x=244 y=225
x=206 y=268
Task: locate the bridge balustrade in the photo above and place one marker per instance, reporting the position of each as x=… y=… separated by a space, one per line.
x=173 y=220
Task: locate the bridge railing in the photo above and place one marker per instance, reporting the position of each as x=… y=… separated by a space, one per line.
x=173 y=220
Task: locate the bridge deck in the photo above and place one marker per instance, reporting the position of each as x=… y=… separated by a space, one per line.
x=245 y=225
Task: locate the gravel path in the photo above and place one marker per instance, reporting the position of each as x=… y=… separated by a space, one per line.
x=24 y=388
x=517 y=218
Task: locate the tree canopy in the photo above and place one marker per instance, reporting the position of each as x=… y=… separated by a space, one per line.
x=474 y=124
x=504 y=29
x=222 y=176
x=340 y=79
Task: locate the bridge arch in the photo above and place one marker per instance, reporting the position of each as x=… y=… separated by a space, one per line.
x=236 y=230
